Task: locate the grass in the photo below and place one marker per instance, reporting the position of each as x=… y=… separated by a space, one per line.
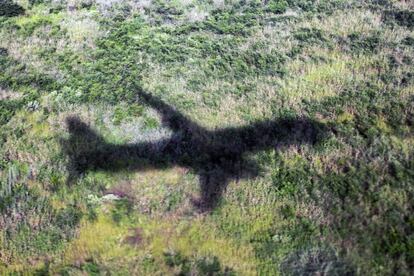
x=339 y=206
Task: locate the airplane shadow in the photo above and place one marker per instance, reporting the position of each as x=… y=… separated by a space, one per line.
x=217 y=156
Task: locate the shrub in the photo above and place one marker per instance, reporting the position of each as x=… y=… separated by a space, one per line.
x=310 y=36
x=363 y=43
x=10 y=9
x=8 y=108
x=198 y=266
x=277 y=6
x=409 y=41
x=400 y=17
x=3 y=51
x=36 y=2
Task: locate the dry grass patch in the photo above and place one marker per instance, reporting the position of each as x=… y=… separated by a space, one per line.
x=6 y=94
x=343 y=23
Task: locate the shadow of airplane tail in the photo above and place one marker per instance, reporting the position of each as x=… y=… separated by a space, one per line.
x=88 y=151
x=82 y=142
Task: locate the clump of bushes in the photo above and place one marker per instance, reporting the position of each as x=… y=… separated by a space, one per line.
x=277 y=6
x=401 y=17
x=8 y=109
x=199 y=266
x=364 y=43
x=9 y=9
x=3 y=51
x=310 y=36
x=29 y=225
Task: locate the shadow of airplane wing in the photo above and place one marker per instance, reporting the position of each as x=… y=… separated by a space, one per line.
x=263 y=135
x=170 y=117
x=229 y=149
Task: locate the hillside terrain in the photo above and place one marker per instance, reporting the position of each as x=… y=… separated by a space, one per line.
x=216 y=137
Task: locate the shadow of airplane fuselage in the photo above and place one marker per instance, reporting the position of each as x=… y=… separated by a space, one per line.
x=216 y=156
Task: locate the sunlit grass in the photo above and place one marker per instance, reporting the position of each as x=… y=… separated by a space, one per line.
x=327 y=78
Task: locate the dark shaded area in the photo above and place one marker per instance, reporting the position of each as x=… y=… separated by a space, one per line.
x=401 y=17
x=3 y=51
x=10 y=9
x=216 y=156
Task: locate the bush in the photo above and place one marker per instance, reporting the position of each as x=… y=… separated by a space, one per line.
x=8 y=108
x=363 y=43
x=10 y=9
x=3 y=51
x=36 y=2
x=409 y=41
x=310 y=36
x=400 y=17
x=199 y=266
x=277 y=6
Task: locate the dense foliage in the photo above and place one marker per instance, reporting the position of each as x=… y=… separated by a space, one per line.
x=340 y=205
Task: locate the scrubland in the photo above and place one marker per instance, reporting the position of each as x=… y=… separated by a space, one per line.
x=342 y=205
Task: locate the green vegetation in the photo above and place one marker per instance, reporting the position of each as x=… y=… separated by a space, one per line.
x=342 y=205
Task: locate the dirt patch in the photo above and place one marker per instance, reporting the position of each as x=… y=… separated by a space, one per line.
x=8 y=95
x=135 y=238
